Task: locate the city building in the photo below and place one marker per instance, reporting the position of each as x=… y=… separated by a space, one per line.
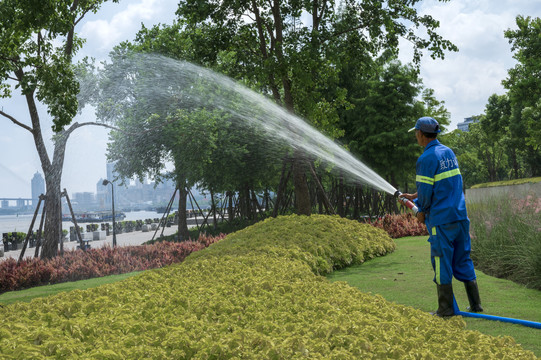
x=38 y=187
x=83 y=200
x=465 y=125
x=132 y=195
x=111 y=173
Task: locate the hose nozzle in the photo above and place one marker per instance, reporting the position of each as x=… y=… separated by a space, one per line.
x=406 y=202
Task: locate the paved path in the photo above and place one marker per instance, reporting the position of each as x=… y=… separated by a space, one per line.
x=133 y=238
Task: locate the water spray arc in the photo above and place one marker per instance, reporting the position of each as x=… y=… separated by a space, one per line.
x=191 y=87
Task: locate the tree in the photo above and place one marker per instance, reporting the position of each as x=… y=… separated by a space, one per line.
x=532 y=119
x=269 y=45
x=143 y=146
x=435 y=108
x=524 y=85
x=239 y=167
x=385 y=106
x=37 y=45
x=125 y=94
x=494 y=126
x=465 y=146
x=172 y=111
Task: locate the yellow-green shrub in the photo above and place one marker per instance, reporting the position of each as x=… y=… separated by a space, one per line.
x=263 y=303
x=324 y=242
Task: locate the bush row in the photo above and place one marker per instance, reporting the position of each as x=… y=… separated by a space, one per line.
x=401 y=225
x=397 y=226
x=14 y=237
x=326 y=243
x=260 y=299
x=78 y=265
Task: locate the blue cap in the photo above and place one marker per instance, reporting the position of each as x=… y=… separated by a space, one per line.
x=427 y=124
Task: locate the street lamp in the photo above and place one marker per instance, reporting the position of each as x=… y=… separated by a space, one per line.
x=105 y=183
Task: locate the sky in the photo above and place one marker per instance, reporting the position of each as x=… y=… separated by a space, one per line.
x=463 y=80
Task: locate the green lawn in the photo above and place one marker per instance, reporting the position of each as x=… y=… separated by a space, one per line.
x=46 y=290
x=405 y=277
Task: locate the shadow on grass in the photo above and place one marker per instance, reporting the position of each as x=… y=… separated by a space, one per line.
x=405 y=277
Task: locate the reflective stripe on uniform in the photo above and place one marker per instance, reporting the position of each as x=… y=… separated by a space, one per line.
x=425 y=179
x=437 y=268
x=434 y=230
x=447 y=174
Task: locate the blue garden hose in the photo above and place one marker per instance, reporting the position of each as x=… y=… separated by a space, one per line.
x=532 y=324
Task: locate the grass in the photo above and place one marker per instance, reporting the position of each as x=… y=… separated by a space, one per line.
x=405 y=277
x=46 y=290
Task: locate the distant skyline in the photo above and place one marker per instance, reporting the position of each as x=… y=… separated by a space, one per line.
x=464 y=80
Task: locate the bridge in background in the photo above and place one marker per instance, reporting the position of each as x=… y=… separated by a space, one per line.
x=20 y=202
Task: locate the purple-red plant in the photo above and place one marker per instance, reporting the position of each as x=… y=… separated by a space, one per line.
x=78 y=265
x=400 y=225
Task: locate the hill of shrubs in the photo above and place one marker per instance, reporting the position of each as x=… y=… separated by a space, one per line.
x=254 y=295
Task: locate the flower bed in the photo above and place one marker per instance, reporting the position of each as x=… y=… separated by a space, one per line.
x=252 y=295
x=78 y=265
x=401 y=225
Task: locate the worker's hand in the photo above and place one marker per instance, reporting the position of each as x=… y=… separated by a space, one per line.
x=409 y=196
x=421 y=217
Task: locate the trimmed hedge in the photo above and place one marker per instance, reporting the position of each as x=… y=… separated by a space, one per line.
x=258 y=299
x=507 y=182
x=78 y=265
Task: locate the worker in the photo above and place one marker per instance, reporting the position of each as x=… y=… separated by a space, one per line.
x=442 y=209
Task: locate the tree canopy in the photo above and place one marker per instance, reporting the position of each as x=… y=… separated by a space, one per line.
x=386 y=102
x=524 y=89
x=37 y=45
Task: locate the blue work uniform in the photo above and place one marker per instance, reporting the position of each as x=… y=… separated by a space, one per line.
x=440 y=197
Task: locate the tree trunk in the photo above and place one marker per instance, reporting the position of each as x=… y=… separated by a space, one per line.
x=245 y=202
x=340 y=201
x=357 y=198
x=320 y=193
x=230 y=212
x=282 y=186
x=213 y=209
x=53 y=178
x=515 y=162
x=490 y=166
x=183 y=233
x=51 y=230
x=302 y=193
x=257 y=206
x=266 y=201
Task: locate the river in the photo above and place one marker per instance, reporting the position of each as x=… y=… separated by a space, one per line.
x=21 y=223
